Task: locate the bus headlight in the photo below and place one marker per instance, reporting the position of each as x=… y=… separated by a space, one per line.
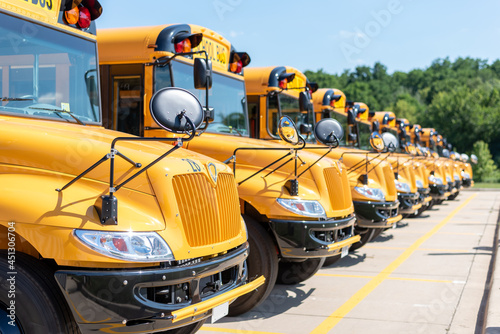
x=420 y=184
x=129 y=246
x=402 y=186
x=303 y=207
x=373 y=193
x=436 y=180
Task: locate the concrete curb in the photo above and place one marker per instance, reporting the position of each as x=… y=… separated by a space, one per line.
x=492 y=322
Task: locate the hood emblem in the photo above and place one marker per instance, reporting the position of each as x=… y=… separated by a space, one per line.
x=212 y=170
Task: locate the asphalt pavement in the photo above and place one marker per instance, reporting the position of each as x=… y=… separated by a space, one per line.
x=432 y=274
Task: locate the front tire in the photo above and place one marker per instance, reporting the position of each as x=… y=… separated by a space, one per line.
x=262 y=260
x=40 y=306
x=365 y=237
x=295 y=272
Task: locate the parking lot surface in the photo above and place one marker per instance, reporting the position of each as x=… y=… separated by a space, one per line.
x=428 y=275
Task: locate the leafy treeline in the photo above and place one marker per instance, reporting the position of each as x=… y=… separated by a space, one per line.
x=460 y=99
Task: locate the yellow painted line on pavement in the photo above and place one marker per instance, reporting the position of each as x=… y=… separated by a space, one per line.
x=329 y=323
x=233 y=331
x=389 y=278
x=424 y=249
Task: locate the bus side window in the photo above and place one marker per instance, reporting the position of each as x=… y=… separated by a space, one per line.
x=127 y=104
x=253 y=116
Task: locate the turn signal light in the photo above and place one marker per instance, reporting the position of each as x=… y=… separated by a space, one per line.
x=236 y=67
x=72 y=15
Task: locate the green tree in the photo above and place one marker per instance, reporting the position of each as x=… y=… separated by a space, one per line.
x=485 y=170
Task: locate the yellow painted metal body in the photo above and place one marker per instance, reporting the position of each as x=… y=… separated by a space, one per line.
x=257 y=84
x=130 y=46
x=39 y=156
x=380 y=172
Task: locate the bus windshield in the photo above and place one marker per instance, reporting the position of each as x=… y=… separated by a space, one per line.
x=289 y=106
x=365 y=132
x=227 y=96
x=47 y=74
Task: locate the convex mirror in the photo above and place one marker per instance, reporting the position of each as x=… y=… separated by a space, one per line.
x=288 y=131
x=390 y=141
x=376 y=141
x=329 y=131
x=172 y=106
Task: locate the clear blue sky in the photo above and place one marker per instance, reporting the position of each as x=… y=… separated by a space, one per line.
x=332 y=35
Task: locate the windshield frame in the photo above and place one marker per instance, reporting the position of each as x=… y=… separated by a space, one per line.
x=75 y=38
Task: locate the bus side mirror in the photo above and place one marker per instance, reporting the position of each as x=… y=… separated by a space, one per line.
x=390 y=141
x=351 y=117
x=473 y=159
x=174 y=108
x=202 y=73
x=305 y=129
x=288 y=131
x=329 y=132
x=92 y=91
x=304 y=102
x=376 y=142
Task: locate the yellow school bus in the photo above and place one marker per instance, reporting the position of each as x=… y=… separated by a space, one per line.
x=275 y=91
x=103 y=231
x=441 y=176
x=371 y=175
x=406 y=182
x=294 y=203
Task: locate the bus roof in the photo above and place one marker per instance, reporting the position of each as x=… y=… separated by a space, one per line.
x=145 y=44
x=260 y=80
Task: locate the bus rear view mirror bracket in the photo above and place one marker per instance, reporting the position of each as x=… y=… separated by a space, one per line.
x=175 y=110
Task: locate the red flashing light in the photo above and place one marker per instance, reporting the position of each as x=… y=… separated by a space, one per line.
x=236 y=67
x=282 y=84
x=183 y=46
x=84 y=19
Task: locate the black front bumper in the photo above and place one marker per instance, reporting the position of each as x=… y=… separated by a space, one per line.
x=466 y=182
x=439 y=191
x=375 y=214
x=410 y=202
x=311 y=238
x=142 y=300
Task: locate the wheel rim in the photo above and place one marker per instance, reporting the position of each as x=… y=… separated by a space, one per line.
x=5 y=328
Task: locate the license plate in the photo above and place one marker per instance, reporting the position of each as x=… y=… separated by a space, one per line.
x=220 y=312
x=345 y=251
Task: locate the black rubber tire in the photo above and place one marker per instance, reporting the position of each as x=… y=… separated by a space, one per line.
x=331 y=260
x=295 y=272
x=452 y=197
x=376 y=233
x=365 y=238
x=40 y=306
x=419 y=212
x=262 y=260
x=189 y=329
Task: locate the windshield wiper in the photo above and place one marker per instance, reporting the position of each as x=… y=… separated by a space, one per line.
x=57 y=111
x=231 y=128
